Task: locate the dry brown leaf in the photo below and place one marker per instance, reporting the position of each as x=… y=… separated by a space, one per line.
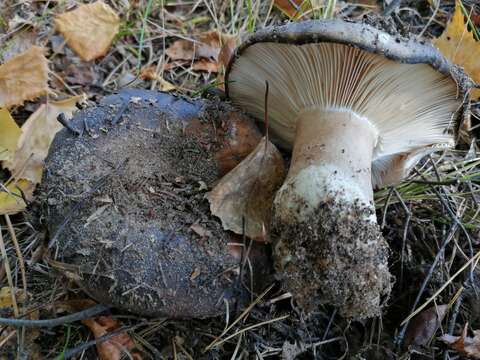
x=6 y=296
x=150 y=73
x=24 y=77
x=37 y=134
x=422 y=328
x=464 y=344
x=226 y=53
x=247 y=191
x=89 y=29
x=459 y=46
x=19 y=43
x=205 y=50
x=205 y=65
x=8 y=136
x=291 y=8
x=11 y=200
x=115 y=347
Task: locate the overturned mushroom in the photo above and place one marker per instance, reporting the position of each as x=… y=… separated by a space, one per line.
x=126 y=209
x=342 y=96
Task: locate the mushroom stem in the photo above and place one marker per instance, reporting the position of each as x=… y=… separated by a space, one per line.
x=324 y=218
x=331 y=159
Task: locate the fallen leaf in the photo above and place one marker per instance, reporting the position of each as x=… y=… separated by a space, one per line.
x=80 y=74
x=8 y=136
x=247 y=192
x=37 y=134
x=423 y=327
x=204 y=51
x=19 y=43
x=291 y=8
x=115 y=347
x=464 y=344
x=205 y=65
x=150 y=73
x=226 y=53
x=11 y=200
x=90 y=29
x=6 y=296
x=459 y=46
x=24 y=77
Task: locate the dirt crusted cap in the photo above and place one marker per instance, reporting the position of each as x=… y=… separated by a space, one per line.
x=357 y=107
x=125 y=205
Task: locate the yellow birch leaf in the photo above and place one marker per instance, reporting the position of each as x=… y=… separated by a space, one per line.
x=6 y=296
x=166 y=86
x=37 y=135
x=11 y=200
x=9 y=134
x=24 y=77
x=459 y=46
x=90 y=29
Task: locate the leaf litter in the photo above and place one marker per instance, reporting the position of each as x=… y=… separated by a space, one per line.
x=24 y=77
x=89 y=29
x=424 y=229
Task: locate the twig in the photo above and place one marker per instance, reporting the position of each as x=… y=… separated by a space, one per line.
x=72 y=352
x=21 y=262
x=241 y=331
x=405 y=232
x=401 y=334
x=8 y=273
x=473 y=261
x=81 y=315
x=391 y=8
x=62 y=119
x=265 y=113
x=242 y=315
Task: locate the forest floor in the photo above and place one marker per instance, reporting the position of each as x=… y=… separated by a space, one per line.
x=430 y=220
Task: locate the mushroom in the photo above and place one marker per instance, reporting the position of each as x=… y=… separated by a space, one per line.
x=126 y=210
x=351 y=103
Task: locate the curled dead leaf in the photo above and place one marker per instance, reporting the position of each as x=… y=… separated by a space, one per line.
x=12 y=196
x=6 y=296
x=24 y=77
x=37 y=134
x=115 y=347
x=458 y=45
x=204 y=51
x=150 y=73
x=423 y=327
x=247 y=192
x=90 y=29
x=8 y=136
x=465 y=345
x=292 y=8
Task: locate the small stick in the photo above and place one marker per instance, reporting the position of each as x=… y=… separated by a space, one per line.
x=61 y=118
x=21 y=263
x=391 y=8
x=81 y=315
x=72 y=352
x=8 y=273
x=265 y=120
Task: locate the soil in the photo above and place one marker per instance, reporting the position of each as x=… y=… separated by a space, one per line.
x=126 y=209
x=335 y=256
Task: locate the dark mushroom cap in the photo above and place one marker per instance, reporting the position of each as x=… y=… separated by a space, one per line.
x=126 y=211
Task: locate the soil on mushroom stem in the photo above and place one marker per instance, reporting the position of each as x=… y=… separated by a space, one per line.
x=336 y=257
